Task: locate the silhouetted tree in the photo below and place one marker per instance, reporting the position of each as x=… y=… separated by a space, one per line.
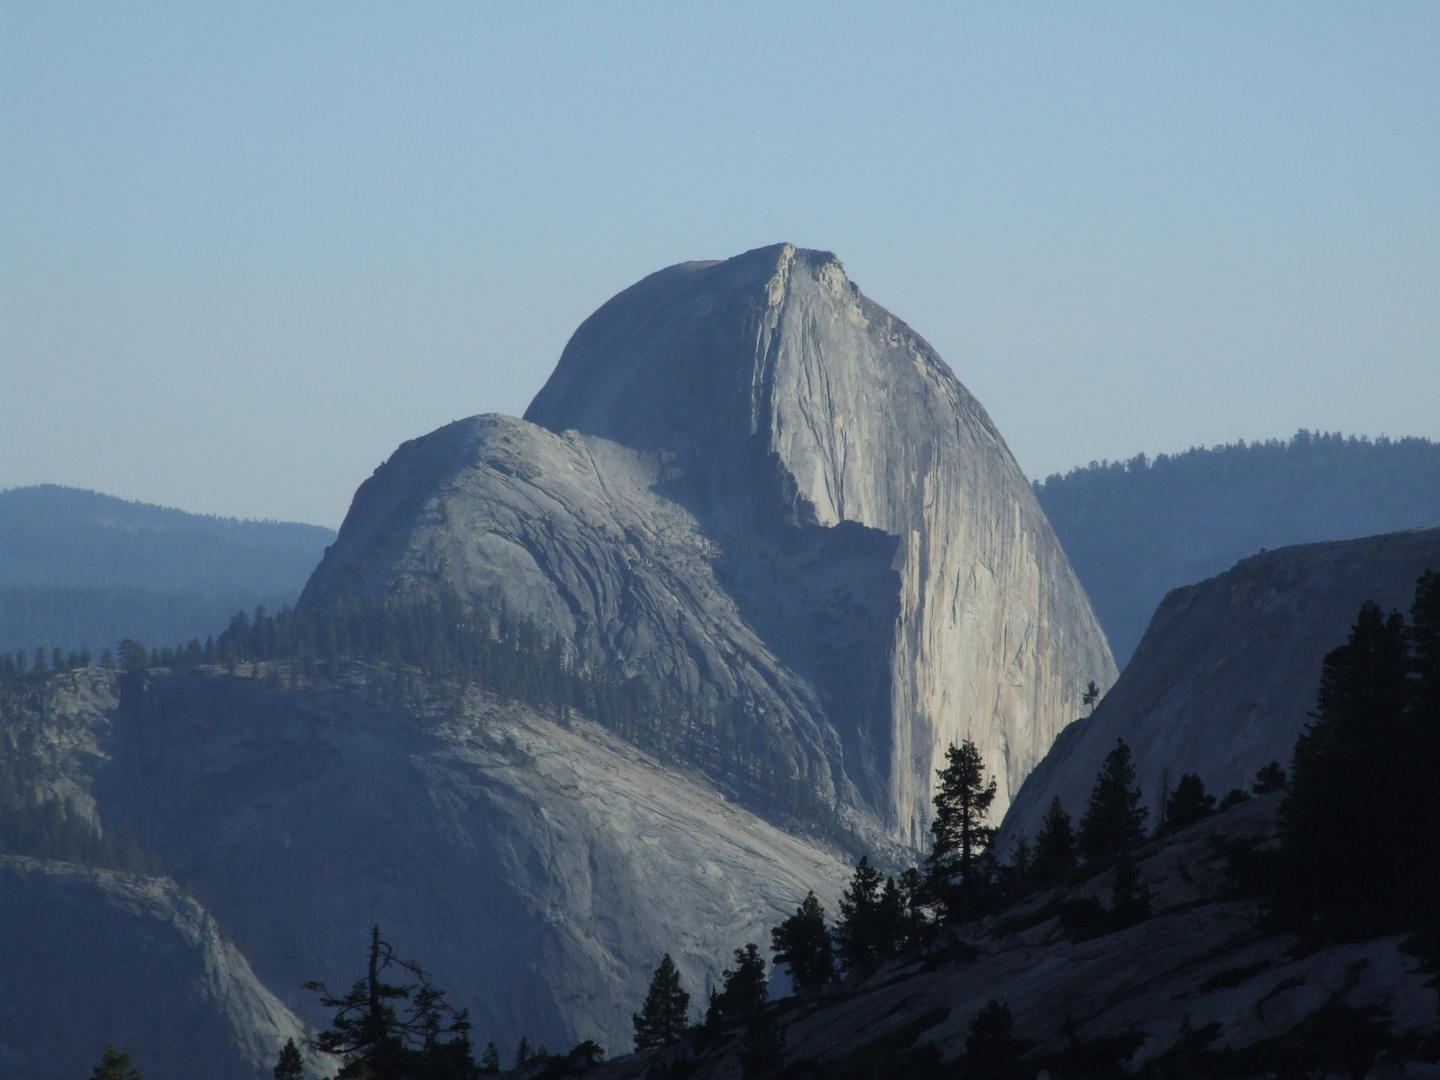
x=1129 y=903
x=960 y=833
x=1054 y=846
x=1091 y=696
x=744 y=990
x=858 y=933
x=1269 y=779
x=377 y=1043
x=666 y=1012
x=1114 y=820
x=992 y=1052
x=290 y=1066
x=802 y=943
x=490 y=1060
x=1186 y=805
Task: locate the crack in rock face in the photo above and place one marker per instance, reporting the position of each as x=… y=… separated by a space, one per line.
x=748 y=480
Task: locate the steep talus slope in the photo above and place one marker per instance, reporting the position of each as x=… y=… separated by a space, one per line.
x=1226 y=675
x=94 y=957
x=777 y=496
x=538 y=869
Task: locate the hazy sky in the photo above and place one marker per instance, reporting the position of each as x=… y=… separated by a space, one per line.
x=247 y=249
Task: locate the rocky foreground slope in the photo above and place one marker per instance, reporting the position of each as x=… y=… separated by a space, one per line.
x=1197 y=989
x=538 y=868
x=1225 y=678
x=749 y=481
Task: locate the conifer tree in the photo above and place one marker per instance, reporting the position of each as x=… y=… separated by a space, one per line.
x=857 y=931
x=745 y=990
x=1054 y=846
x=1187 y=805
x=960 y=832
x=115 y=1065
x=490 y=1060
x=1129 y=903
x=1114 y=820
x=663 y=1018
x=761 y=1048
x=802 y=943
x=290 y=1066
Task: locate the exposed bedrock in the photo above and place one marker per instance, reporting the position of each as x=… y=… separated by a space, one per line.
x=750 y=480
x=1225 y=678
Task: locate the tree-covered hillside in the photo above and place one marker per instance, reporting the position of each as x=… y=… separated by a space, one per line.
x=81 y=568
x=1136 y=529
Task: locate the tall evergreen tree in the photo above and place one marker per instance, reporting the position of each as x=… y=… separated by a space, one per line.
x=664 y=1017
x=992 y=1052
x=490 y=1060
x=290 y=1065
x=1114 y=820
x=1187 y=805
x=960 y=833
x=857 y=932
x=744 y=991
x=802 y=943
x=761 y=1050
x=1054 y=846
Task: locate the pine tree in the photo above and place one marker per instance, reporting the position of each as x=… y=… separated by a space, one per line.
x=1114 y=820
x=1091 y=696
x=1187 y=805
x=666 y=1012
x=1129 y=904
x=290 y=1066
x=960 y=832
x=115 y=1065
x=802 y=943
x=1054 y=846
x=490 y=1060
x=857 y=931
x=376 y=1042
x=745 y=991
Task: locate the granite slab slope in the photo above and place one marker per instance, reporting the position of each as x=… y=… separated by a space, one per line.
x=848 y=546
x=1225 y=678
x=538 y=869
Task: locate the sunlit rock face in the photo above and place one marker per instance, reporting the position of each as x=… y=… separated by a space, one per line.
x=1226 y=676
x=750 y=480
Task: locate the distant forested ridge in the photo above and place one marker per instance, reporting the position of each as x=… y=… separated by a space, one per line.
x=1136 y=529
x=80 y=568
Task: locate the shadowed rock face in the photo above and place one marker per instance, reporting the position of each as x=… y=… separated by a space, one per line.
x=95 y=957
x=1224 y=680
x=750 y=480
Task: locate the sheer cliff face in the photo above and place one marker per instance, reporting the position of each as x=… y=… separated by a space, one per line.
x=1224 y=679
x=786 y=498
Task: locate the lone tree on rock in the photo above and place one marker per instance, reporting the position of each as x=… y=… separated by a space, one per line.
x=666 y=1012
x=1114 y=820
x=961 y=835
x=802 y=944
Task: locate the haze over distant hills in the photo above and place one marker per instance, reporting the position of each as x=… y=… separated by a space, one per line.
x=1136 y=529
x=81 y=568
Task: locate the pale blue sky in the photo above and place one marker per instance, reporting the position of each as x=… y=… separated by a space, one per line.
x=246 y=249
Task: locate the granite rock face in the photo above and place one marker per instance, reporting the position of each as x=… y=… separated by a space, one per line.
x=539 y=869
x=94 y=957
x=751 y=481
x=1227 y=673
